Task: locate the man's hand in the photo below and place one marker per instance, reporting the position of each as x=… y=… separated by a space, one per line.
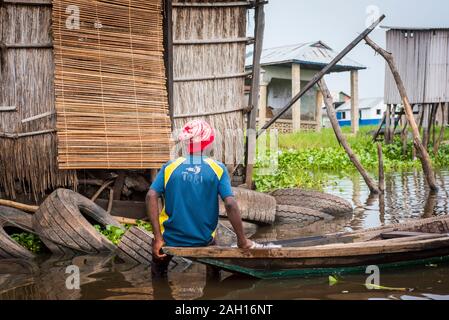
x=245 y=244
x=157 y=249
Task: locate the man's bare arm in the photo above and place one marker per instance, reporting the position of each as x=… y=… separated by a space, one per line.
x=153 y=213
x=233 y=212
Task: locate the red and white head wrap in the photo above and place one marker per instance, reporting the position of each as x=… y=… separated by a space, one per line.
x=199 y=134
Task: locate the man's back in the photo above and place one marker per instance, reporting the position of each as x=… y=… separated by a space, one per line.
x=191 y=187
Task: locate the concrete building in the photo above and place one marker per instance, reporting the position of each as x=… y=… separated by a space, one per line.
x=285 y=70
x=371 y=111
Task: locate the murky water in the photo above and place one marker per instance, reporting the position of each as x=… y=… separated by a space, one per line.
x=104 y=278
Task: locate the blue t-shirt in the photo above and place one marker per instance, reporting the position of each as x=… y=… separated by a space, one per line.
x=191 y=200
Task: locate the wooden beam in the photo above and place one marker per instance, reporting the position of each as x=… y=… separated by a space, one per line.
x=296 y=88
x=319 y=110
x=342 y=139
x=39 y=116
x=118 y=185
x=17 y=205
x=8 y=108
x=263 y=96
x=323 y=72
x=421 y=150
x=180 y=116
x=212 y=77
x=250 y=152
x=380 y=158
x=27 y=45
x=28 y=3
x=213 y=4
x=212 y=41
x=354 y=101
x=168 y=43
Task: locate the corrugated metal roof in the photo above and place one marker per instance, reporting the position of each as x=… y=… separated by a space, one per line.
x=316 y=54
x=402 y=28
x=364 y=104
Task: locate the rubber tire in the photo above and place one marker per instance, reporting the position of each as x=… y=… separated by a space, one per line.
x=9 y=248
x=299 y=215
x=315 y=200
x=254 y=206
x=66 y=231
x=135 y=246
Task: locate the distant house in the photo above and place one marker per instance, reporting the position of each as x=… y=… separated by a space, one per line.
x=371 y=111
x=285 y=70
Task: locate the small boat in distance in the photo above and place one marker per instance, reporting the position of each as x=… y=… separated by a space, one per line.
x=415 y=242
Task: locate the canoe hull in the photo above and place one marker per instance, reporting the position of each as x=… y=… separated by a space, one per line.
x=304 y=267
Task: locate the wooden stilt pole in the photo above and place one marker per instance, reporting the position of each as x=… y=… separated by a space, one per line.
x=381 y=168
x=251 y=134
x=342 y=139
x=441 y=136
x=387 y=125
x=421 y=150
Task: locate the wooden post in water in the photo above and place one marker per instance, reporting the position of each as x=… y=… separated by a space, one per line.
x=441 y=136
x=387 y=125
x=421 y=150
x=342 y=139
x=381 y=168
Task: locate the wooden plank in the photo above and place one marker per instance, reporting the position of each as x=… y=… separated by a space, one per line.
x=27 y=45
x=28 y=2
x=212 y=77
x=204 y=114
x=39 y=116
x=212 y=4
x=212 y=41
x=332 y=250
x=8 y=108
x=402 y=234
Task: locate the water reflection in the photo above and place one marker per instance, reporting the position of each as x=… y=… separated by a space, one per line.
x=106 y=278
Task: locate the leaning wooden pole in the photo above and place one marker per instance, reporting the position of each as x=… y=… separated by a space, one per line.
x=342 y=139
x=420 y=149
x=321 y=74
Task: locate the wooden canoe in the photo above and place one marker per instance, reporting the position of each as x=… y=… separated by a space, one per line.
x=415 y=242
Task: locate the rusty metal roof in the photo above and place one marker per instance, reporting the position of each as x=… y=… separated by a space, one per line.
x=313 y=54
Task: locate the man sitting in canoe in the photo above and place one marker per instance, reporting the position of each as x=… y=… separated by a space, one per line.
x=191 y=186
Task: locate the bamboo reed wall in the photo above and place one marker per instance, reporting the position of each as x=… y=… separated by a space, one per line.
x=422 y=58
x=111 y=96
x=207 y=45
x=28 y=150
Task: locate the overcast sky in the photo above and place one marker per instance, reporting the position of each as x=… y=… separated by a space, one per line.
x=338 y=22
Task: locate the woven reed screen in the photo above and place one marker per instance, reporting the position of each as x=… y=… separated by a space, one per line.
x=111 y=97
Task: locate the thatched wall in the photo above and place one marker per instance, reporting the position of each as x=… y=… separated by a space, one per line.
x=28 y=162
x=225 y=61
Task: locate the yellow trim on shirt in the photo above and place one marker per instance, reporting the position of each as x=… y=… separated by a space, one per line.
x=172 y=167
x=215 y=167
